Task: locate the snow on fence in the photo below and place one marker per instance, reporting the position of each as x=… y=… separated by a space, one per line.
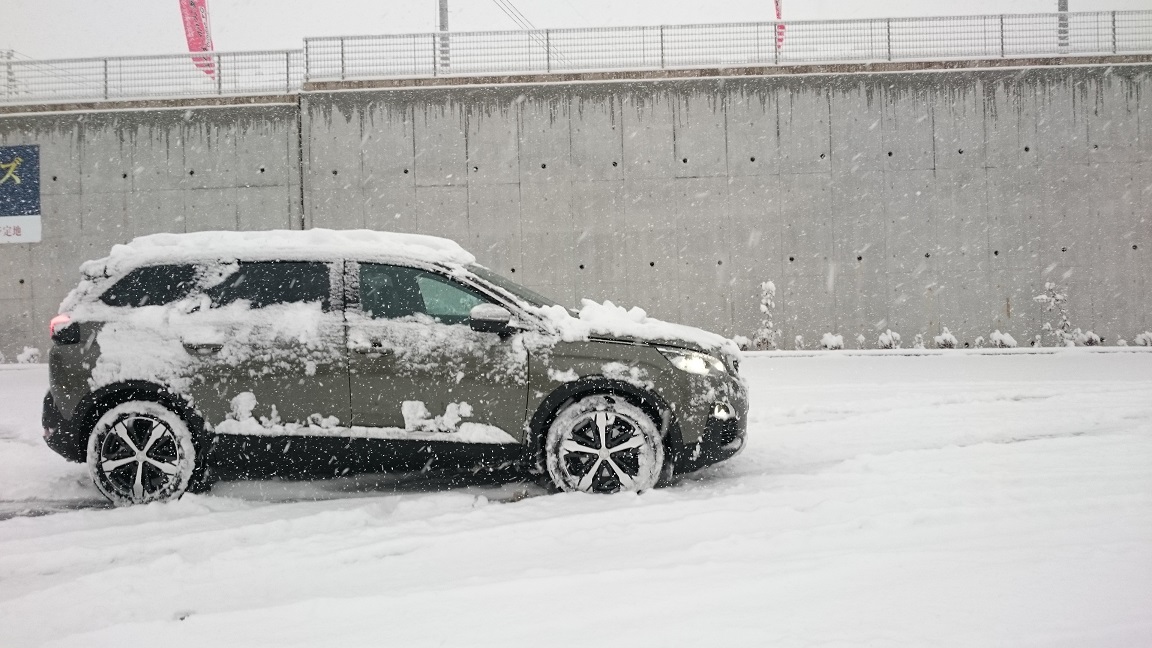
x=725 y=45
x=142 y=77
x=544 y=51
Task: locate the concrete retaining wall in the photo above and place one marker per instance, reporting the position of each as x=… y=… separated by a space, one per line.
x=911 y=201
x=109 y=176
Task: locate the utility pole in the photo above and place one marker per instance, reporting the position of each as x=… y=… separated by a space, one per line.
x=1062 y=29
x=444 y=58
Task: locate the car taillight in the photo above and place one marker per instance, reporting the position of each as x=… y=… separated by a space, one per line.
x=61 y=330
x=57 y=323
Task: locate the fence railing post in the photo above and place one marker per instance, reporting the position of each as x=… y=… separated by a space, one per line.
x=661 y=47
x=219 y=76
x=1001 y=35
x=341 y=58
x=105 y=78
x=889 y=29
x=435 y=63
x=1114 y=50
x=548 y=50
x=287 y=72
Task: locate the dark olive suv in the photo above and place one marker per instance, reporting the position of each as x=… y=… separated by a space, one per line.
x=181 y=357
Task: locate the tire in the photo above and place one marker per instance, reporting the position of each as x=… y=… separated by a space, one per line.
x=603 y=444
x=141 y=452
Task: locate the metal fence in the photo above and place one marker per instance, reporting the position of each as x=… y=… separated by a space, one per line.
x=731 y=44
x=141 y=77
x=576 y=50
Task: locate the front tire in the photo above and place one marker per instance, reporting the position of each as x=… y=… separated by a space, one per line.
x=141 y=452
x=603 y=444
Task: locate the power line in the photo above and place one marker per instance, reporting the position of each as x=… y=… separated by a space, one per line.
x=511 y=15
x=519 y=13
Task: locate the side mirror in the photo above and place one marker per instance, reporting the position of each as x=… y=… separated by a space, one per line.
x=489 y=318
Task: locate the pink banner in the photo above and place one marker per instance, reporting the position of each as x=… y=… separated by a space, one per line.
x=779 y=28
x=196 y=28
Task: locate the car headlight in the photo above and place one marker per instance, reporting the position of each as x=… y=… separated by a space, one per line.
x=693 y=362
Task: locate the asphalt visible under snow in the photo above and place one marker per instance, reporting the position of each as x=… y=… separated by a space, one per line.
x=958 y=499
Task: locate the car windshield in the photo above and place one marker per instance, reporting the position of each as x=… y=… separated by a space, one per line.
x=532 y=297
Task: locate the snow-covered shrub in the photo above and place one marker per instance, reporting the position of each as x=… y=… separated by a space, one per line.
x=1086 y=338
x=799 y=342
x=31 y=355
x=742 y=342
x=832 y=342
x=861 y=341
x=1144 y=339
x=1055 y=299
x=767 y=335
x=1002 y=340
x=979 y=342
x=1121 y=342
x=888 y=340
x=945 y=340
x=918 y=341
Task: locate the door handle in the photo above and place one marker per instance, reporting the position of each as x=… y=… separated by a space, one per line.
x=375 y=349
x=202 y=348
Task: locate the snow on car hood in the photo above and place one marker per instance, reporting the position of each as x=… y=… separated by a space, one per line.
x=612 y=321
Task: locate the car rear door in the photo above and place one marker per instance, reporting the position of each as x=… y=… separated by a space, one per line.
x=271 y=341
x=418 y=371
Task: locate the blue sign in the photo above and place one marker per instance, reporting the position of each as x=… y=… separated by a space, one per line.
x=19 y=181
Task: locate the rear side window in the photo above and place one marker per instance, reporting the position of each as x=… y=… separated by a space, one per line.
x=265 y=283
x=151 y=286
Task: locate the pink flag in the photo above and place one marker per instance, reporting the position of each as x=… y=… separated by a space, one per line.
x=780 y=27
x=196 y=28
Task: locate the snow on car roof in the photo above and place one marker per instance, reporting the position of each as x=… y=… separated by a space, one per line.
x=282 y=245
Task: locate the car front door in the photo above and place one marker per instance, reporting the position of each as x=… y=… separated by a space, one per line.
x=417 y=369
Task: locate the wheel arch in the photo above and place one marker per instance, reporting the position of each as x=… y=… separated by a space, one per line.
x=96 y=403
x=658 y=409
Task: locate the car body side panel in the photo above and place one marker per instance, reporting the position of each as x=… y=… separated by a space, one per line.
x=640 y=365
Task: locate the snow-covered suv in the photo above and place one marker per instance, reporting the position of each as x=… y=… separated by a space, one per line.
x=327 y=352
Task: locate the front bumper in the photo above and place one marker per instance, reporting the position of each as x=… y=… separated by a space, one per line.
x=723 y=438
x=59 y=434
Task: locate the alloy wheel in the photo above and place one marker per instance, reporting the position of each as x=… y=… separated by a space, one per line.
x=139 y=457
x=605 y=452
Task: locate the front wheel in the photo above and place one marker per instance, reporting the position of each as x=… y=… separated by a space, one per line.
x=140 y=452
x=603 y=444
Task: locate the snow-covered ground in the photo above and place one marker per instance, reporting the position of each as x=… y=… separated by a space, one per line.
x=951 y=499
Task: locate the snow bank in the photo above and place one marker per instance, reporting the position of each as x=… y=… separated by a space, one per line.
x=947 y=498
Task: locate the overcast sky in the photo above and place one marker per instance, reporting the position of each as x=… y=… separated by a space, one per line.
x=83 y=28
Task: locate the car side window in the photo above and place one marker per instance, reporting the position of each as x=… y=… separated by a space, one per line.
x=263 y=283
x=152 y=286
x=392 y=292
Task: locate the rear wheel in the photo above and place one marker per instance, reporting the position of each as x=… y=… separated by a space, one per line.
x=140 y=452
x=603 y=444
